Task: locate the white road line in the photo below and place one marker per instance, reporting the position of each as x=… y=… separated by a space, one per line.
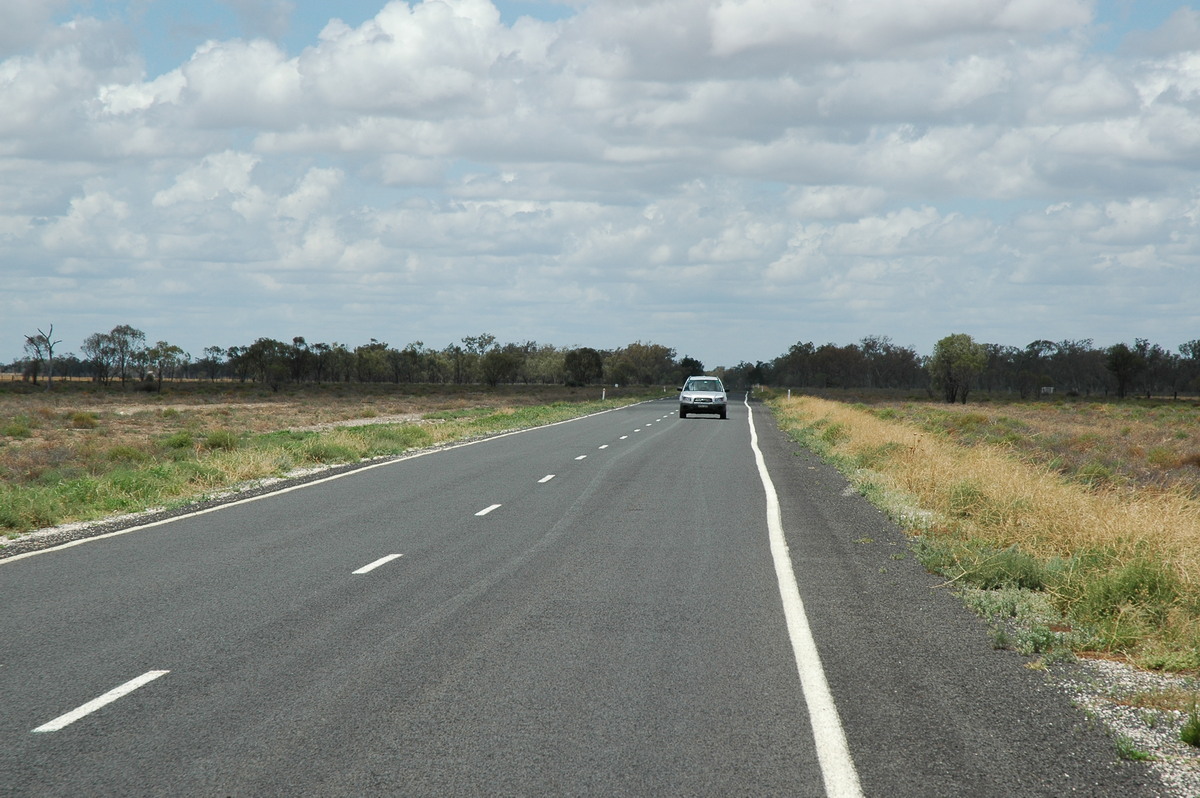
x=637 y=430
x=624 y=437
x=487 y=510
x=272 y=494
x=63 y=721
x=546 y=478
x=833 y=752
x=605 y=446
x=581 y=457
x=381 y=561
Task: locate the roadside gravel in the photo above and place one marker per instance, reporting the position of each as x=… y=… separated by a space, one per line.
x=1109 y=691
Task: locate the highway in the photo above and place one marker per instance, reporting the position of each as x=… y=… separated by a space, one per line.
x=591 y=608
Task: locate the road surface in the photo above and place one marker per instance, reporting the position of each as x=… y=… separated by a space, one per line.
x=592 y=608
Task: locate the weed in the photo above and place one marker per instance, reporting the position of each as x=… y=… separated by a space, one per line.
x=1128 y=749
x=1162 y=457
x=84 y=420
x=975 y=564
x=179 y=440
x=221 y=439
x=1096 y=475
x=17 y=428
x=834 y=433
x=1190 y=733
x=123 y=453
x=1143 y=588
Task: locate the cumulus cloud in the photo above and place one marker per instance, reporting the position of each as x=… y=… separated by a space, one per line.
x=801 y=169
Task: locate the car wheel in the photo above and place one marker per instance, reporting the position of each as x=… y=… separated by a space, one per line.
x=723 y=412
x=683 y=414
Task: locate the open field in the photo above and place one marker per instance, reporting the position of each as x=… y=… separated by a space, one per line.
x=82 y=452
x=1085 y=514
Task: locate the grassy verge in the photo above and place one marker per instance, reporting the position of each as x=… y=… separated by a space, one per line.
x=1060 y=565
x=87 y=465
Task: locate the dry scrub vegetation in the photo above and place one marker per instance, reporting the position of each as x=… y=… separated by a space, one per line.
x=83 y=452
x=1088 y=513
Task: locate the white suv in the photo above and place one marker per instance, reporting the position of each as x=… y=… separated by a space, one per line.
x=702 y=395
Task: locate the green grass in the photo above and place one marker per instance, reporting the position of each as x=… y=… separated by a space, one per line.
x=1190 y=733
x=94 y=481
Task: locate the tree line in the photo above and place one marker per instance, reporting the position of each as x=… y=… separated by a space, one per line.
x=123 y=356
x=957 y=367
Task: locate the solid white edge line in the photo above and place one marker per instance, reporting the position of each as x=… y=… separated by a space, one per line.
x=63 y=721
x=833 y=752
x=372 y=566
x=487 y=510
x=389 y=461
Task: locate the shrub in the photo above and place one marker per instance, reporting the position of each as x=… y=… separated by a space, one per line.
x=84 y=420
x=221 y=439
x=17 y=428
x=126 y=454
x=179 y=440
x=1096 y=475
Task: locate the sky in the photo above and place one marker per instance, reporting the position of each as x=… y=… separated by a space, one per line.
x=723 y=177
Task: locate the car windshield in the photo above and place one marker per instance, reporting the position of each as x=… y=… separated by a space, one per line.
x=704 y=385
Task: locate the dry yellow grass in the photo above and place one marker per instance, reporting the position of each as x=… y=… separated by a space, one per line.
x=984 y=492
x=992 y=495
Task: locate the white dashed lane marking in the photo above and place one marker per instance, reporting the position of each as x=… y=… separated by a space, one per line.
x=366 y=569
x=545 y=479
x=62 y=721
x=487 y=510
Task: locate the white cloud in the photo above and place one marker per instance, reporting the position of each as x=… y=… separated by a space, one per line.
x=223 y=173
x=640 y=163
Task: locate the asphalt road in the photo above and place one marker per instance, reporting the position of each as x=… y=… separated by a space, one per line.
x=591 y=608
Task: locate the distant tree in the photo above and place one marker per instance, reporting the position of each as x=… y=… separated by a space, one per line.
x=583 y=366
x=99 y=350
x=956 y=361
x=884 y=361
x=544 y=364
x=40 y=348
x=642 y=364
x=211 y=362
x=371 y=361
x=499 y=365
x=127 y=346
x=320 y=360
x=298 y=358
x=1125 y=364
x=266 y=362
x=164 y=358
x=1190 y=364
x=689 y=367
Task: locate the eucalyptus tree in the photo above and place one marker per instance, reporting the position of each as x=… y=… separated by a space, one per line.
x=954 y=366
